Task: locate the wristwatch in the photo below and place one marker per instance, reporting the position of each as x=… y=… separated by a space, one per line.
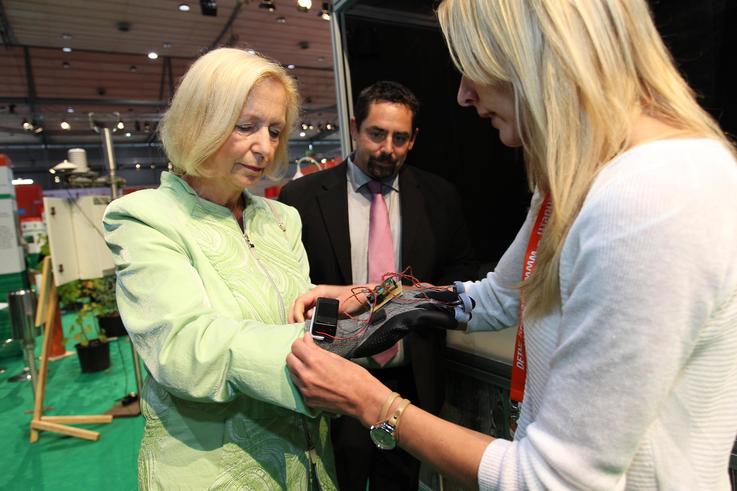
x=384 y=433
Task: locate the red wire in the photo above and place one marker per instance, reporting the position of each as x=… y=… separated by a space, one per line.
x=372 y=293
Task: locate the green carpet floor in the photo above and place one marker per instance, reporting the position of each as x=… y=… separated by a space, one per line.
x=58 y=462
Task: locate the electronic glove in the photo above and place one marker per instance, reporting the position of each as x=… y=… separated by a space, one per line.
x=447 y=307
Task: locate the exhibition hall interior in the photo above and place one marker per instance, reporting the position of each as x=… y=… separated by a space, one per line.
x=84 y=87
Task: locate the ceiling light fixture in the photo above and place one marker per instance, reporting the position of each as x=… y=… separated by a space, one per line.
x=251 y=51
x=26 y=125
x=183 y=7
x=304 y=5
x=209 y=7
x=166 y=45
x=302 y=134
x=65 y=125
x=66 y=36
x=324 y=13
x=128 y=135
x=20 y=180
x=70 y=109
x=281 y=20
x=66 y=50
x=152 y=55
x=290 y=66
x=121 y=125
x=268 y=5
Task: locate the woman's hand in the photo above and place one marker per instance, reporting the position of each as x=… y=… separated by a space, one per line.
x=350 y=297
x=335 y=384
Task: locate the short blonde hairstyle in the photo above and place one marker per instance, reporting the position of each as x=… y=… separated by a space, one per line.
x=581 y=70
x=208 y=103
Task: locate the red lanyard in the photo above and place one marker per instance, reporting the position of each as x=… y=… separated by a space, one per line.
x=519 y=367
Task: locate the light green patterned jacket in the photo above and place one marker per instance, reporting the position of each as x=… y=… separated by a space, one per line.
x=207 y=314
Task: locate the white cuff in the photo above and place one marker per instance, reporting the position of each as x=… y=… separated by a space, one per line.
x=492 y=464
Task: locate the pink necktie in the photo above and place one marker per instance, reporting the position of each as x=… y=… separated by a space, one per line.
x=380 y=252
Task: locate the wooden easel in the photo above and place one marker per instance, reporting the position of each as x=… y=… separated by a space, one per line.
x=48 y=302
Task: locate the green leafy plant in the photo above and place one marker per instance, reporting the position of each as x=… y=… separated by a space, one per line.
x=96 y=297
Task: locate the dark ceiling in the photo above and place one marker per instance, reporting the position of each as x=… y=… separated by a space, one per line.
x=64 y=59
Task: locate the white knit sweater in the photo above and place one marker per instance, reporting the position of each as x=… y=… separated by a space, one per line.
x=632 y=379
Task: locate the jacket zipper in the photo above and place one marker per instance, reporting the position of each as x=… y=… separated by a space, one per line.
x=252 y=248
x=311 y=454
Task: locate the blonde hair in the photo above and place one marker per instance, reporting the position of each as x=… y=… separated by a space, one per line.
x=580 y=71
x=208 y=103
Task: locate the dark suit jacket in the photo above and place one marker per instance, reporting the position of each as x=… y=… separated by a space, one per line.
x=435 y=244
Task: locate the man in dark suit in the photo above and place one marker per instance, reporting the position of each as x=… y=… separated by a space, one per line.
x=428 y=235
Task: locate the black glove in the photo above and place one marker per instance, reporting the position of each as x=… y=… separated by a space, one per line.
x=371 y=333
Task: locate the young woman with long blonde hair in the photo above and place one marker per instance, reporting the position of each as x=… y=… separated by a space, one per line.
x=624 y=273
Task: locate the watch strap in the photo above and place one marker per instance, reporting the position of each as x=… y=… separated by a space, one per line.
x=394 y=420
x=384 y=414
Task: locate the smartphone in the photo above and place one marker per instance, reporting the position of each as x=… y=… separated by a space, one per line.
x=325 y=320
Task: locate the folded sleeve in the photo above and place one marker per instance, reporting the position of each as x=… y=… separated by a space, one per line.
x=190 y=348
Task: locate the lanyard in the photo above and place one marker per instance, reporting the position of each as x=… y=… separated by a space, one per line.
x=519 y=368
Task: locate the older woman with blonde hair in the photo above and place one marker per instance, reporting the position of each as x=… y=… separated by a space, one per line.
x=206 y=271
x=624 y=272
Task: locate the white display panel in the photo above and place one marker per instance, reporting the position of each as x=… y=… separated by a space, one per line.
x=495 y=345
x=78 y=250
x=11 y=250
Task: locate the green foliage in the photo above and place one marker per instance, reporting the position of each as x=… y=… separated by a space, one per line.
x=96 y=297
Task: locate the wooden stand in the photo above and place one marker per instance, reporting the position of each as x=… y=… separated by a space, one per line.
x=45 y=314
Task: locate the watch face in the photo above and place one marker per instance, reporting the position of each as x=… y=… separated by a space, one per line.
x=382 y=435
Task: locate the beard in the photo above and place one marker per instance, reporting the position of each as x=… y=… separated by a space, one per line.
x=382 y=167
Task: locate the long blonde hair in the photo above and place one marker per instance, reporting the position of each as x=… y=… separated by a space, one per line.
x=580 y=71
x=209 y=101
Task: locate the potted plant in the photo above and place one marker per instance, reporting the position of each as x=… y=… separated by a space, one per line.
x=96 y=297
x=102 y=295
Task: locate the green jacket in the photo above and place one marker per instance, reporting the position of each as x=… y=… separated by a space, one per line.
x=208 y=315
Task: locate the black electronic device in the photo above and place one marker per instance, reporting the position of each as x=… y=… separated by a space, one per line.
x=325 y=319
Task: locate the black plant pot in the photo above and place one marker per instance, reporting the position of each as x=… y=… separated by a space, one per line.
x=94 y=357
x=112 y=326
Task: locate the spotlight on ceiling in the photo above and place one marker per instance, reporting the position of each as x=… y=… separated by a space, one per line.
x=281 y=20
x=26 y=125
x=65 y=125
x=324 y=13
x=152 y=55
x=70 y=109
x=304 y=5
x=121 y=125
x=268 y=5
x=183 y=7
x=66 y=50
x=290 y=66
x=209 y=7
